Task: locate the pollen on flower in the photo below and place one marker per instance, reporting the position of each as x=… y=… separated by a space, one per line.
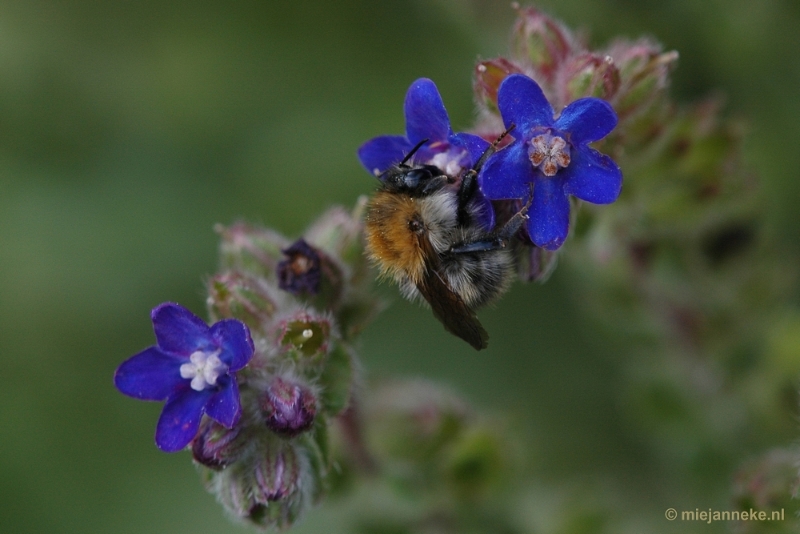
x=549 y=152
x=307 y=333
x=203 y=368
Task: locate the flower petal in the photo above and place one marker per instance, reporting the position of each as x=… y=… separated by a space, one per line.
x=178 y=330
x=180 y=419
x=522 y=102
x=149 y=375
x=426 y=117
x=474 y=145
x=380 y=153
x=224 y=405
x=233 y=337
x=507 y=174
x=592 y=176
x=549 y=213
x=587 y=120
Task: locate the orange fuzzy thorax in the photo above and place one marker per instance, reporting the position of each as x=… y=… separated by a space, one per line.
x=391 y=244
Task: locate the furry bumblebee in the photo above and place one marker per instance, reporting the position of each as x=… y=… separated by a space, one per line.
x=422 y=231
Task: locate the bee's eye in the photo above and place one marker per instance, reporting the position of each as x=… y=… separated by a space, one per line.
x=414 y=177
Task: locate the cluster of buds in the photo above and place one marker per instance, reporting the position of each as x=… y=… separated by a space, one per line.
x=630 y=75
x=303 y=302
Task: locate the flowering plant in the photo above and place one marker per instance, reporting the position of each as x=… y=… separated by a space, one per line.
x=270 y=398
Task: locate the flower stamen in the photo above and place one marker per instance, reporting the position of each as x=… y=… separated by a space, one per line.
x=549 y=152
x=204 y=369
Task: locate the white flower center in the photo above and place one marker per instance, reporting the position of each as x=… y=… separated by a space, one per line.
x=203 y=368
x=447 y=162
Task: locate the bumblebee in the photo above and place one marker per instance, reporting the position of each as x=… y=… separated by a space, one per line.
x=422 y=231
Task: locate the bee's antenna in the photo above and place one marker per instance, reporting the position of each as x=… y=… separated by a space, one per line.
x=413 y=151
x=491 y=149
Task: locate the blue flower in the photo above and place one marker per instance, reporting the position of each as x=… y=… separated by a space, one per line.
x=553 y=156
x=426 y=118
x=191 y=367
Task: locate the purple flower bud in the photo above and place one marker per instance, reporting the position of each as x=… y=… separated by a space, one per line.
x=300 y=273
x=215 y=446
x=288 y=408
x=277 y=474
x=540 y=41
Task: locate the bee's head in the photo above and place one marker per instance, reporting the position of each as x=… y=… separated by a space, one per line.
x=417 y=181
x=414 y=180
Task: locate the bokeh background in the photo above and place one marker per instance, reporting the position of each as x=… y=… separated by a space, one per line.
x=128 y=129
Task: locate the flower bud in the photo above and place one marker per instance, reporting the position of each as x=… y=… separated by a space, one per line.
x=308 y=334
x=540 y=41
x=277 y=473
x=588 y=74
x=415 y=420
x=476 y=462
x=288 y=408
x=310 y=272
x=488 y=76
x=768 y=483
x=215 y=446
x=243 y=297
x=300 y=273
x=265 y=487
x=250 y=249
x=644 y=73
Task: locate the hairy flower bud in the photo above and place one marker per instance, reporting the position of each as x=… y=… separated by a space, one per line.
x=252 y=249
x=488 y=76
x=415 y=419
x=306 y=333
x=266 y=487
x=288 y=408
x=644 y=72
x=215 y=446
x=769 y=483
x=588 y=74
x=540 y=41
x=243 y=297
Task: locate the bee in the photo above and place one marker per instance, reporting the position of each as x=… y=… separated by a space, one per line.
x=422 y=231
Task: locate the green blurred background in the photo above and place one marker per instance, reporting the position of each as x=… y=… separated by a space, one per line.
x=127 y=129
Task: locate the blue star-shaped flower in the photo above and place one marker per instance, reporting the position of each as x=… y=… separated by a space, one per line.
x=191 y=367
x=426 y=118
x=553 y=155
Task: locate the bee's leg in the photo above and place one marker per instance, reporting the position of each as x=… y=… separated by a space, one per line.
x=469 y=182
x=496 y=240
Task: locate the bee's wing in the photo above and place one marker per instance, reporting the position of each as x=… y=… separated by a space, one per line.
x=447 y=306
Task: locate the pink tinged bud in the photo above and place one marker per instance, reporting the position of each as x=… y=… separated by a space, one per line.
x=540 y=41
x=588 y=75
x=215 y=446
x=277 y=474
x=288 y=408
x=488 y=77
x=644 y=73
x=248 y=248
x=240 y=296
